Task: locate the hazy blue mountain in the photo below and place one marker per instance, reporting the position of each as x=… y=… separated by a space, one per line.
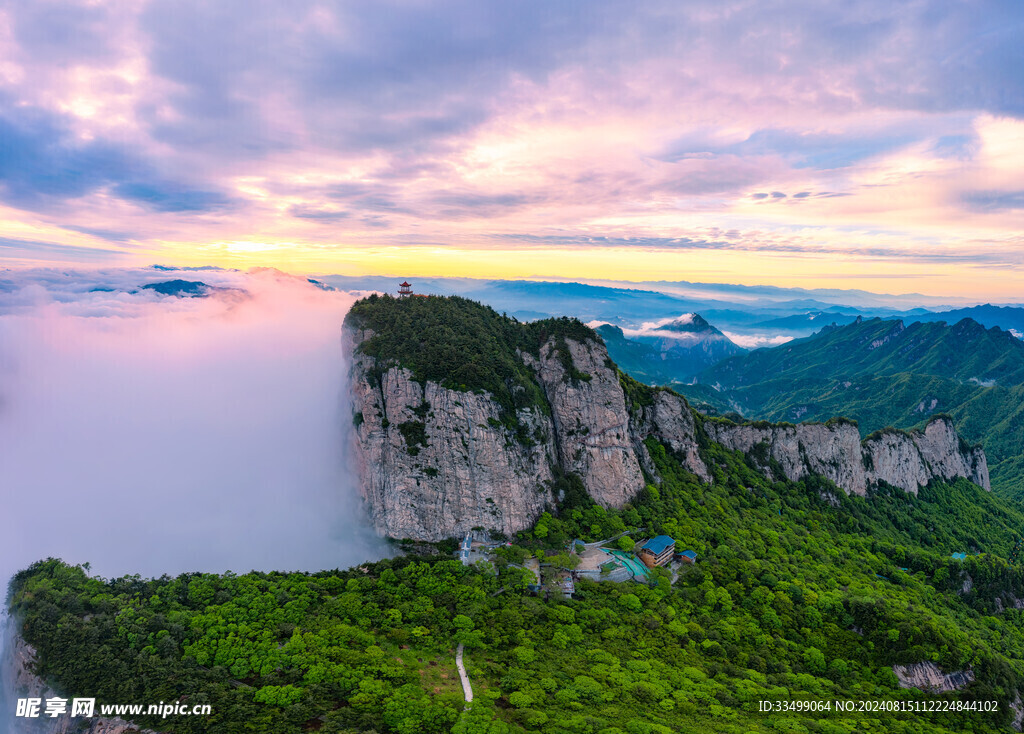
x=180 y=288
x=763 y=295
x=809 y=320
x=668 y=352
x=1005 y=317
x=884 y=372
x=624 y=306
x=527 y=315
x=753 y=313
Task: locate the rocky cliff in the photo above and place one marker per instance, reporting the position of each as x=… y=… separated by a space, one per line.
x=436 y=463
x=930 y=679
x=438 y=459
x=589 y=419
x=907 y=460
x=19 y=681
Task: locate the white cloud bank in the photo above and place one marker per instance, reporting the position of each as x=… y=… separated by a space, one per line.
x=154 y=434
x=756 y=341
x=655 y=329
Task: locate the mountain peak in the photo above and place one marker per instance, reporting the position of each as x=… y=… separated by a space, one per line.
x=180 y=288
x=687 y=323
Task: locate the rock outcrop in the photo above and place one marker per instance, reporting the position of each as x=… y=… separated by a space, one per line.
x=832 y=451
x=591 y=424
x=907 y=460
x=670 y=420
x=21 y=682
x=929 y=678
x=1017 y=706
x=436 y=463
x=942 y=454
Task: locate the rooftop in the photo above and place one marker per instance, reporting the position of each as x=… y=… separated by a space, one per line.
x=658 y=545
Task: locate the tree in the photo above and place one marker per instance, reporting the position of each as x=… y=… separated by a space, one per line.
x=631 y=602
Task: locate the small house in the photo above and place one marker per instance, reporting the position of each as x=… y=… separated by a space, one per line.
x=687 y=556
x=657 y=551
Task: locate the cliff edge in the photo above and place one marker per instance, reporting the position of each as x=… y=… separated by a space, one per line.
x=20 y=681
x=904 y=459
x=465 y=419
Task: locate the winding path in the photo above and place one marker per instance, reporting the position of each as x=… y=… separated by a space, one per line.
x=467 y=690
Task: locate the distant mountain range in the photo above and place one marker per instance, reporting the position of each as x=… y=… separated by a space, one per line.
x=669 y=351
x=749 y=315
x=181 y=288
x=1010 y=318
x=965 y=351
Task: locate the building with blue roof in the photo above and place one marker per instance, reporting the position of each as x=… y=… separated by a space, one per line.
x=657 y=551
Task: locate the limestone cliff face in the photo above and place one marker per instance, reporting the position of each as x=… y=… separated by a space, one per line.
x=831 y=451
x=947 y=456
x=436 y=463
x=670 y=420
x=20 y=682
x=905 y=460
x=591 y=424
x=929 y=678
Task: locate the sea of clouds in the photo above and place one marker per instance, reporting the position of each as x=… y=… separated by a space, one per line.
x=156 y=434
x=153 y=434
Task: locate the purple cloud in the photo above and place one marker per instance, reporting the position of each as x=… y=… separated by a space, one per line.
x=444 y=112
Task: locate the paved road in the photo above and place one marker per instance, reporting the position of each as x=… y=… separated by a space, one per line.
x=467 y=690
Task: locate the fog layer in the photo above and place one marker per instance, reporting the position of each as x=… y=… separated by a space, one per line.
x=155 y=434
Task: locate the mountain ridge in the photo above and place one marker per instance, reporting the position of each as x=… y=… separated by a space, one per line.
x=439 y=460
x=885 y=372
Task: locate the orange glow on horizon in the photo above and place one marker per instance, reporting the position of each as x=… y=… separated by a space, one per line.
x=620 y=264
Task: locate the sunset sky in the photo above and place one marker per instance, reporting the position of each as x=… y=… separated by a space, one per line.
x=871 y=145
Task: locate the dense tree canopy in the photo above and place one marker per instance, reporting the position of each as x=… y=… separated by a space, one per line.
x=792 y=598
x=464 y=345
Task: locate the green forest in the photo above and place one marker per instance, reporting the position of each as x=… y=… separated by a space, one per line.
x=884 y=373
x=800 y=593
x=463 y=345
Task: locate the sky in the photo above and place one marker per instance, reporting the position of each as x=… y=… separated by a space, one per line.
x=870 y=145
